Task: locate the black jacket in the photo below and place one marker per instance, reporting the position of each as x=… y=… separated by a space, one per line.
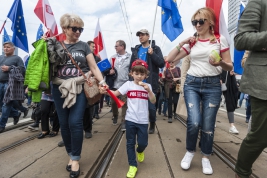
x=154 y=62
x=231 y=94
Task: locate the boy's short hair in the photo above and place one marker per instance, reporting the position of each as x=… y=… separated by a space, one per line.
x=140 y=69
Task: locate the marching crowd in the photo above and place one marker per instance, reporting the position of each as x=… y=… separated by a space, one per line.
x=57 y=75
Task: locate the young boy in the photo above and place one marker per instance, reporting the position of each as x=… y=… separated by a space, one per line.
x=136 y=118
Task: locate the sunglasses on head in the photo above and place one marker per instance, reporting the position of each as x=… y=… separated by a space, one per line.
x=74 y=29
x=200 y=21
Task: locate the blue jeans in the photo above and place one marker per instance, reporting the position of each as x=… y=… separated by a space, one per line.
x=71 y=122
x=133 y=130
x=7 y=109
x=205 y=90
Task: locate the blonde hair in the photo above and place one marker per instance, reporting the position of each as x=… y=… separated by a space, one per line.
x=209 y=14
x=67 y=19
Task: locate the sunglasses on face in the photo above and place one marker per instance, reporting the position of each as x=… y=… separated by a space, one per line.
x=74 y=29
x=200 y=21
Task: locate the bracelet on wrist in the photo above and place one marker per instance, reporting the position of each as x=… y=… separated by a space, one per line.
x=178 y=48
x=102 y=82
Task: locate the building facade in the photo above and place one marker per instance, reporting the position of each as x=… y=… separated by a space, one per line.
x=233 y=15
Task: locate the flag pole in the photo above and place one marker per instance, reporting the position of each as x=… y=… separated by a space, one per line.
x=154 y=24
x=3 y=26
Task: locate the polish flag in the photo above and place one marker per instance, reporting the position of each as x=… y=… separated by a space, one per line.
x=44 y=12
x=221 y=27
x=100 y=49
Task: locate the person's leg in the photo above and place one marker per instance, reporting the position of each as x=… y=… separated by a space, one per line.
x=45 y=111
x=241 y=99
x=86 y=119
x=248 y=111
x=56 y=124
x=115 y=111
x=63 y=117
x=152 y=117
x=76 y=114
x=165 y=107
x=124 y=108
x=170 y=105
x=131 y=132
x=6 y=112
x=255 y=141
x=142 y=137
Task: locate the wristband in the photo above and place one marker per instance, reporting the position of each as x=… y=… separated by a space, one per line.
x=102 y=82
x=178 y=47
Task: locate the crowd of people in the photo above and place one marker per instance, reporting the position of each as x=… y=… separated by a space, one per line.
x=147 y=83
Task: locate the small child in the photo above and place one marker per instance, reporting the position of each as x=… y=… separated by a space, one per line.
x=136 y=118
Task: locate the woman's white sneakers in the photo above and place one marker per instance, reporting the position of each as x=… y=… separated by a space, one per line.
x=206 y=167
x=186 y=162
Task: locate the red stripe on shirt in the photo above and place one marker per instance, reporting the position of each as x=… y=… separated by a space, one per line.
x=226 y=49
x=185 y=50
x=137 y=94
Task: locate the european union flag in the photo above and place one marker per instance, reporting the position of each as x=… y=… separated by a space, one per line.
x=171 y=24
x=238 y=55
x=6 y=37
x=40 y=32
x=18 y=26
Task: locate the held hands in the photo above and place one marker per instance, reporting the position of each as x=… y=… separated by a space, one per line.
x=103 y=88
x=4 y=68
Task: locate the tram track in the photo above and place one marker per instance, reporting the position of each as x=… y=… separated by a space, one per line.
x=220 y=152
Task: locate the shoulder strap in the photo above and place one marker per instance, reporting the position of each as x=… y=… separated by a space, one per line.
x=171 y=73
x=72 y=60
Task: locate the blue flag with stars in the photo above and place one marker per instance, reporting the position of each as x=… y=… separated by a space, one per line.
x=238 y=55
x=6 y=37
x=40 y=32
x=171 y=24
x=18 y=26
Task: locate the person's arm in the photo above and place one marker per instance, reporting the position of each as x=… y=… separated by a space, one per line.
x=249 y=36
x=225 y=62
x=151 y=95
x=178 y=52
x=95 y=70
x=156 y=57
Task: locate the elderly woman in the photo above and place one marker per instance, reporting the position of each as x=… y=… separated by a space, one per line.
x=202 y=84
x=71 y=115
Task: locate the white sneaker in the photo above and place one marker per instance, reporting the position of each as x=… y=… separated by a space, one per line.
x=206 y=167
x=186 y=161
x=233 y=130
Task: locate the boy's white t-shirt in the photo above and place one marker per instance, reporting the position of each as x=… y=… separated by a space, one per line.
x=137 y=102
x=199 y=54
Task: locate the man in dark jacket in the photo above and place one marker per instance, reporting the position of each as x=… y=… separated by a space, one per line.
x=154 y=58
x=6 y=61
x=252 y=35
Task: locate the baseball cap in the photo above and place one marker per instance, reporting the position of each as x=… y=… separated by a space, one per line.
x=144 y=31
x=8 y=42
x=139 y=62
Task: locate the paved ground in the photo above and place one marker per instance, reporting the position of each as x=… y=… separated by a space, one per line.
x=42 y=158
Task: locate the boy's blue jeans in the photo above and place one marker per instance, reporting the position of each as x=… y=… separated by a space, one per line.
x=133 y=130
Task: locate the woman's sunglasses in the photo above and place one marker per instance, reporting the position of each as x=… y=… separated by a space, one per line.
x=200 y=21
x=74 y=29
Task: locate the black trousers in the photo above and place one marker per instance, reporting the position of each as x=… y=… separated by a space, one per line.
x=47 y=107
x=88 y=118
x=172 y=101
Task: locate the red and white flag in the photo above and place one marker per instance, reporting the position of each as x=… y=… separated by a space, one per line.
x=221 y=29
x=100 y=49
x=44 y=12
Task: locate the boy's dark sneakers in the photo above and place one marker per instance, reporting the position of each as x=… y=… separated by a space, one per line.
x=61 y=143
x=88 y=135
